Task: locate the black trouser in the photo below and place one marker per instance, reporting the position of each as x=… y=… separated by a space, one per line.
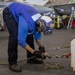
x=12 y=27
x=30 y=41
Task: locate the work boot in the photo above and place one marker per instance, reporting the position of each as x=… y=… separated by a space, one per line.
x=15 y=68
x=34 y=61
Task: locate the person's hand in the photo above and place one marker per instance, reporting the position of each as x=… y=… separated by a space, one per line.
x=42 y=49
x=39 y=54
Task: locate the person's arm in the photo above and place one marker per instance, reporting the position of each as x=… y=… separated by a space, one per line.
x=22 y=34
x=39 y=41
x=29 y=49
x=37 y=36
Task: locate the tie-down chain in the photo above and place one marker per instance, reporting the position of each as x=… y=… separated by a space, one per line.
x=56 y=66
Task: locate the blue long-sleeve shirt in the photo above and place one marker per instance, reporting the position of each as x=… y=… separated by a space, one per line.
x=23 y=32
x=26 y=17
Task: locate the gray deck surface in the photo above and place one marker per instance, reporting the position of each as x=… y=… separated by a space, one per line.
x=60 y=37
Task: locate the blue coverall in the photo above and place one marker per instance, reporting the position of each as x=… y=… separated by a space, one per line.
x=20 y=20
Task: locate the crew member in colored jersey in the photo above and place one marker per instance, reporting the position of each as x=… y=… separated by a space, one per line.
x=25 y=24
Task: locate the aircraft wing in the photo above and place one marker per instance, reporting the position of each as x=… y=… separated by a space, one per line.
x=41 y=9
x=64 y=9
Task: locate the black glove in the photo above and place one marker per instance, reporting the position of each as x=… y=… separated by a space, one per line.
x=38 y=54
x=42 y=49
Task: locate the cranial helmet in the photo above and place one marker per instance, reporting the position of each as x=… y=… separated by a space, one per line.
x=46 y=28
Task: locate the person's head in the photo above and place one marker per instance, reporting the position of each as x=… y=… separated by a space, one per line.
x=44 y=24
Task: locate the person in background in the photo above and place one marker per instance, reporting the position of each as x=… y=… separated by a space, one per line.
x=25 y=24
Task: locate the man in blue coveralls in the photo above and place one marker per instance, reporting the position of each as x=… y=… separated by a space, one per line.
x=24 y=24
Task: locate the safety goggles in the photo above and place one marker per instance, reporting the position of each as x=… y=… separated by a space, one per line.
x=44 y=28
